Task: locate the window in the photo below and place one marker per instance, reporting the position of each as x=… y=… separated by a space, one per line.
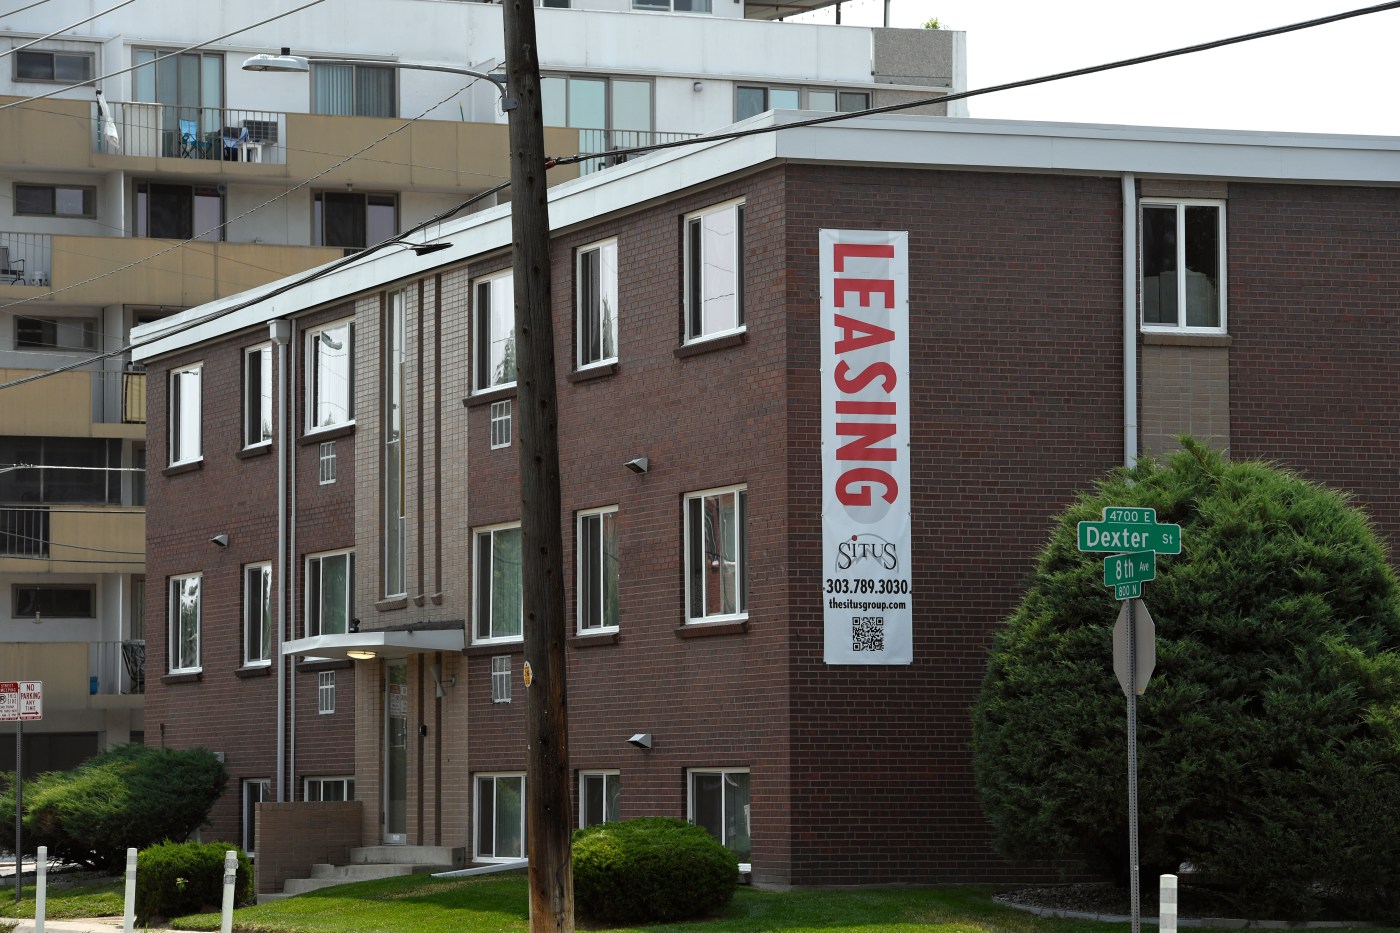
x=353 y=90
x=138 y=475
x=179 y=212
x=330 y=361
x=719 y=801
x=716 y=545
x=714 y=271
x=498 y=607
x=598 y=103
x=55 y=601
x=327 y=462
x=395 y=529
x=330 y=583
x=500 y=817
x=750 y=100
x=597 y=570
x=254 y=793
x=56 y=200
x=325 y=693
x=319 y=790
x=184 y=624
x=500 y=424
x=353 y=220
x=1183 y=265
x=56 y=333
x=598 y=796
x=672 y=6
x=60 y=67
x=596 y=279
x=495 y=332
x=190 y=85
x=257 y=395
x=185 y=415
x=500 y=679
x=257 y=614
x=98 y=482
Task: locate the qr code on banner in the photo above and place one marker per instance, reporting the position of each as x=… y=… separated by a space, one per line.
x=868 y=633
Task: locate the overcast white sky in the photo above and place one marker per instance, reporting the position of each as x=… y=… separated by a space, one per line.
x=1338 y=78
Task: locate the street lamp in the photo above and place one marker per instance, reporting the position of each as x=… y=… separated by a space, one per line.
x=287 y=63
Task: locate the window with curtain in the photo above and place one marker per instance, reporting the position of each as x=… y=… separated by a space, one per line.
x=353 y=90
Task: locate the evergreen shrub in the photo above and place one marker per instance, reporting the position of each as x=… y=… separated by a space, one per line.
x=178 y=878
x=650 y=870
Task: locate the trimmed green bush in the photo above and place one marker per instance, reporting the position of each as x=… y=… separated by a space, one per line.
x=178 y=878
x=132 y=795
x=651 y=870
x=1269 y=736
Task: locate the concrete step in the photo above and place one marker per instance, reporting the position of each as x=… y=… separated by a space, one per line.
x=449 y=857
x=344 y=874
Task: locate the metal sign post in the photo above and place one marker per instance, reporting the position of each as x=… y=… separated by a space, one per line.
x=19 y=809
x=20 y=700
x=1135 y=538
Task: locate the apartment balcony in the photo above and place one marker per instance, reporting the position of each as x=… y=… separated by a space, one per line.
x=78 y=675
x=84 y=403
x=84 y=539
x=613 y=140
x=142 y=270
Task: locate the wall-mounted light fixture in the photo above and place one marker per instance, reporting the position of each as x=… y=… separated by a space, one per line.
x=698 y=86
x=641 y=740
x=219 y=540
x=360 y=654
x=639 y=465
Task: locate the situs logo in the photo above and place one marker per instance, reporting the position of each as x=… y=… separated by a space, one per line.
x=867 y=547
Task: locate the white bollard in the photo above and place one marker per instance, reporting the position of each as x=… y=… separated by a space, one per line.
x=41 y=871
x=129 y=911
x=1166 y=910
x=230 y=876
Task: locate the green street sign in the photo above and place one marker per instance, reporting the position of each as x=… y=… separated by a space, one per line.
x=1132 y=514
x=1121 y=537
x=1127 y=591
x=1137 y=567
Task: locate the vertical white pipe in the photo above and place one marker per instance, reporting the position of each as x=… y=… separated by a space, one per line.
x=294 y=354
x=41 y=871
x=1166 y=913
x=230 y=876
x=1130 y=276
x=281 y=331
x=129 y=909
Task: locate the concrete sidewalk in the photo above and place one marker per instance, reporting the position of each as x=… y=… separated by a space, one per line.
x=93 y=925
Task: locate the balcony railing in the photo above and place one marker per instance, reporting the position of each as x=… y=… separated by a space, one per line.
x=211 y=133
x=119 y=396
x=24 y=532
x=612 y=140
x=25 y=258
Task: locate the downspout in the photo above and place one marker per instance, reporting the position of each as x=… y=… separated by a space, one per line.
x=292 y=576
x=281 y=332
x=1130 y=276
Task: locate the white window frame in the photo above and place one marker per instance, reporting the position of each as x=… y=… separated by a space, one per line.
x=1181 y=204
x=325 y=692
x=393 y=437
x=586 y=540
x=697 y=328
x=691 y=774
x=326 y=462
x=316 y=420
x=501 y=417
x=257 y=400
x=249 y=814
x=609 y=777
x=606 y=251
x=186 y=413
x=347 y=788
x=478 y=582
x=494 y=778
x=315 y=594
x=740 y=544
x=177 y=662
x=499 y=288
x=500 y=679
x=254 y=624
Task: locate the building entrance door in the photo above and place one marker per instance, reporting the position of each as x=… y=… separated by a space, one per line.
x=396 y=754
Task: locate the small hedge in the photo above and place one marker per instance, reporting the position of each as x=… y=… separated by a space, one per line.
x=656 y=869
x=178 y=878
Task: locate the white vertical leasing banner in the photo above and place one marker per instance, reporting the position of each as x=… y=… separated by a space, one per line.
x=866 y=539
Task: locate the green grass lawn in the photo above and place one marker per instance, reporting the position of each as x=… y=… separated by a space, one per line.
x=65 y=900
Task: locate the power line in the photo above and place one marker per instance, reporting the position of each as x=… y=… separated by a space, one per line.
x=159 y=58
x=1009 y=86
x=80 y=22
x=23 y=8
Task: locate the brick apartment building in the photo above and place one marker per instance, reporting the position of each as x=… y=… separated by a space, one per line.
x=1076 y=295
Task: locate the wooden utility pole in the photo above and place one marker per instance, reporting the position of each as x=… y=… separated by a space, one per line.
x=548 y=820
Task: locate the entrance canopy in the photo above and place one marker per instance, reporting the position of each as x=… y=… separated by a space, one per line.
x=381 y=644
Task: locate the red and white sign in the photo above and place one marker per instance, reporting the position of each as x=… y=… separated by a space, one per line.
x=866 y=539
x=22 y=699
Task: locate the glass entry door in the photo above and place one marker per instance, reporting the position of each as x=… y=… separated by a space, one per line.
x=396 y=754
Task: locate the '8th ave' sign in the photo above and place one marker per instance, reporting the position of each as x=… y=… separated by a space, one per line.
x=1135 y=538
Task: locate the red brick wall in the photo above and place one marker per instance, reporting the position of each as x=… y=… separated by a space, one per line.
x=294 y=836
x=237 y=496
